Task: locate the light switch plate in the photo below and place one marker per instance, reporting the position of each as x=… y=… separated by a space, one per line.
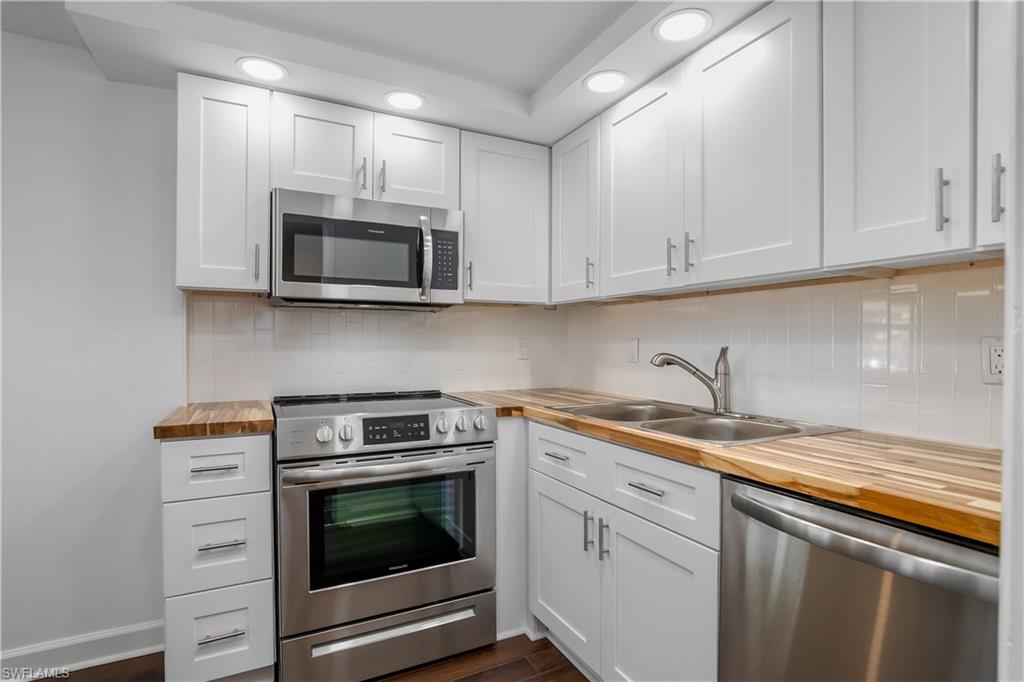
x=992 y=362
x=633 y=350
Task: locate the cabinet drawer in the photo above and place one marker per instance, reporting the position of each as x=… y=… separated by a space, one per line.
x=566 y=456
x=212 y=467
x=217 y=542
x=678 y=496
x=222 y=632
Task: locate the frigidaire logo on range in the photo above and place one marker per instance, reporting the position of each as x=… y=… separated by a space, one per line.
x=375 y=231
x=398 y=568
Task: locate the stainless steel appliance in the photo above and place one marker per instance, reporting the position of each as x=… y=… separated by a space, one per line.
x=385 y=532
x=809 y=592
x=341 y=251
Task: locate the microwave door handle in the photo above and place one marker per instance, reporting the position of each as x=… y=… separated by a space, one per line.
x=428 y=258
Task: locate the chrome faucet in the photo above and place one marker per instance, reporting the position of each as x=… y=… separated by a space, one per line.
x=719 y=385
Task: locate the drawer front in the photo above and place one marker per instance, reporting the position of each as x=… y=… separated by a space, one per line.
x=565 y=456
x=678 y=496
x=217 y=542
x=213 y=467
x=222 y=632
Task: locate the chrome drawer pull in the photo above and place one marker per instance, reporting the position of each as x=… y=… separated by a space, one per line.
x=669 y=268
x=555 y=455
x=210 y=639
x=364 y=174
x=601 y=551
x=687 y=243
x=214 y=467
x=383 y=176
x=646 y=488
x=256 y=266
x=941 y=182
x=588 y=282
x=997 y=186
x=220 y=545
x=587 y=542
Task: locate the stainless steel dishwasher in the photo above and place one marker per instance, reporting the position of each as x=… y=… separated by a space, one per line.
x=809 y=592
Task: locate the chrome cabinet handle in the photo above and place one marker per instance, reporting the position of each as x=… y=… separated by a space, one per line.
x=314 y=475
x=210 y=639
x=256 y=270
x=213 y=467
x=383 y=176
x=657 y=492
x=587 y=280
x=997 y=188
x=669 y=268
x=469 y=275
x=941 y=182
x=587 y=542
x=687 y=243
x=931 y=571
x=555 y=455
x=220 y=545
x=364 y=173
x=602 y=552
x=428 y=258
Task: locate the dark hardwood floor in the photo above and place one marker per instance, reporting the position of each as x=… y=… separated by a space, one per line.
x=511 y=660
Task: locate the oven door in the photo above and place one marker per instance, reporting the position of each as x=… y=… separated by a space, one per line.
x=369 y=538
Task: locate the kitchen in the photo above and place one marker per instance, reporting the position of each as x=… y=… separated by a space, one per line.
x=370 y=338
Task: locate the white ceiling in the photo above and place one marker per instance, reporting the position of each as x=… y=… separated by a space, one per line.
x=507 y=68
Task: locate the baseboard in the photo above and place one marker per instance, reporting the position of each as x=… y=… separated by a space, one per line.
x=515 y=632
x=92 y=648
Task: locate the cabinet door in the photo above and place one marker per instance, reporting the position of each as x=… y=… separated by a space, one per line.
x=642 y=189
x=505 y=202
x=659 y=595
x=575 y=214
x=997 y=91
x=564 y=576
x=897 y=113
x=223 y=218
x=321 y=147
x=753 y=147
x=415 y=162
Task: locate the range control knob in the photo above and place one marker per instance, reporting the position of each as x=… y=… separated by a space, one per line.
x=324 y=434
x=480 y=423
x=443 y=425
x=461 y=423
x=346 y=432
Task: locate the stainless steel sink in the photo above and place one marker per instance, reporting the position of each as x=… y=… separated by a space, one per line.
x=631 y=411
x=695 y=423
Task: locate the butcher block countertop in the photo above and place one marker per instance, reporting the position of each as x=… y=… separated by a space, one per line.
x=946 y=487
x=228 y=418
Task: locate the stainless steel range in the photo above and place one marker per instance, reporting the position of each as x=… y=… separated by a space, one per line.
x=385 y=532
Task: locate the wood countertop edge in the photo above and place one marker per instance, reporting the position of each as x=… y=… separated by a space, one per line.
x=226 y=418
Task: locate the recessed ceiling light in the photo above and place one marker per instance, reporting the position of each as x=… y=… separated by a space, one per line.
x=403 y=99
x=264 y=69
x=605 y=81
x=682 y=25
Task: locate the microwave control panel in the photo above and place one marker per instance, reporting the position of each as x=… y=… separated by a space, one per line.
x=446 y=260
x=404 y=429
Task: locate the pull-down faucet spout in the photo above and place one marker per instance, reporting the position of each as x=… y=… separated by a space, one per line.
x=717 y=385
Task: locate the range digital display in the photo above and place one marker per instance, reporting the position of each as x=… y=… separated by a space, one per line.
x=381 y=430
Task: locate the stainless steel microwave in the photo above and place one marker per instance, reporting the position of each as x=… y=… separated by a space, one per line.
x=340 y=251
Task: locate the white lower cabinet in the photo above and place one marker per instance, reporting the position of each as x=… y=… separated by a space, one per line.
x=632 y=600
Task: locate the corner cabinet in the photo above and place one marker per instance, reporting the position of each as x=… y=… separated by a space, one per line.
x=223 y=209
x=642 y=189
x=753 y=147
x=505 y=202
x=576 y=214
x=415 y=162
x=898 y=103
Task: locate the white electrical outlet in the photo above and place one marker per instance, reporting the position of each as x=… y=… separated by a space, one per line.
x=633 y=350
x=992 y=360
x=522 y=349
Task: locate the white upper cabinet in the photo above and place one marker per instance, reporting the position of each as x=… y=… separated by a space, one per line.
x=753 y=129
x=415 y=162
x=321 y=147
x=642 y=189
x=898 y=100
x=575 y=214
x=223 y=212
x=505 y=201
x=997 y=88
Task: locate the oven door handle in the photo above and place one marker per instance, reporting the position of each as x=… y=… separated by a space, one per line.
x=428 y=258
x=349 y=473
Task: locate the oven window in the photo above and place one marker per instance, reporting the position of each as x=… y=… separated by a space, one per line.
x=364 y=532
x=326 y=251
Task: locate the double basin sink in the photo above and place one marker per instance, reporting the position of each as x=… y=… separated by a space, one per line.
x=697 y=423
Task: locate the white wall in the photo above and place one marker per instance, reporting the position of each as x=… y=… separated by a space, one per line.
x=93 y=353
x=241 y=348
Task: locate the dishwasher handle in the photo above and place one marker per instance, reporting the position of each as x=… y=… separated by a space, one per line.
x=981 y=586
